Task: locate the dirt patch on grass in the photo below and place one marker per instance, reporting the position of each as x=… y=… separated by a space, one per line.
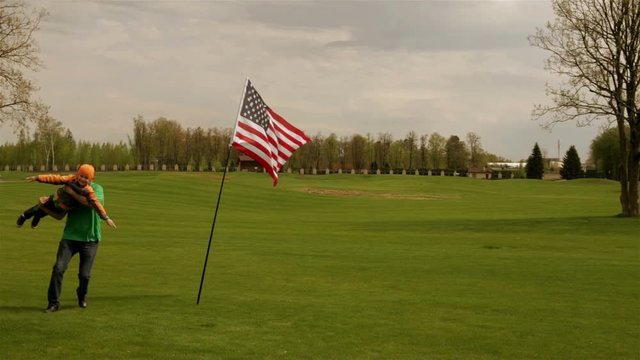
x=418 y=196
x=332 y=192
x=379 y=195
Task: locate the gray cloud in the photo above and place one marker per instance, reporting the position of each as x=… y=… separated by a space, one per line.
x=413 y=25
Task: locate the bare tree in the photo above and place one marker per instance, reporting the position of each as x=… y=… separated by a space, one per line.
x=141 y=142
x=475 y=149
x=18 y=53
x=423 y=151
x=410 y=142
x=381 y=150
x=595 y=48
x=344 y=152
x=49 y=133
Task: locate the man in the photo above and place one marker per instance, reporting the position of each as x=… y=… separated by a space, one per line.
x=81 y=235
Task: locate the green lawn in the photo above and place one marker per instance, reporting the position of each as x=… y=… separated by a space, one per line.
x=331 y=267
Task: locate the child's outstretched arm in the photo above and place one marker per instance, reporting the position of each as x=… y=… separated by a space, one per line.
x=52 y=179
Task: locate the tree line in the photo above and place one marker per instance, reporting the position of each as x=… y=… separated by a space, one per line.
x=166 y=142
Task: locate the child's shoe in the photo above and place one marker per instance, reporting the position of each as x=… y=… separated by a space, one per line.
x=21 y=220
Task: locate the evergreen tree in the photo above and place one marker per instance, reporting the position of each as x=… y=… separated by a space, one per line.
x=571 y=166
x=535 y=165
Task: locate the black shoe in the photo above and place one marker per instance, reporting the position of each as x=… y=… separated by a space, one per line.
x=21 y=220
x=82 y=299
x=35 y=222
x=52 y=308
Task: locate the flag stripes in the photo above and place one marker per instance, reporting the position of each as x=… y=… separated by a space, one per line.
x=264 y=135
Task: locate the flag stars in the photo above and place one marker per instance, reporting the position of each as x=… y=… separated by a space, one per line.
x=254 y=108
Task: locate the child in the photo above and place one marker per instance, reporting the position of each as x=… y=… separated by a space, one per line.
x=61 y=202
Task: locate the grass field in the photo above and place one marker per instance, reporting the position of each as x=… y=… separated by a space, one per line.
x=331 y=267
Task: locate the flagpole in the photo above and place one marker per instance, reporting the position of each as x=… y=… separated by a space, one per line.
x=215 y=215
x=235 y=128
x=213 y=225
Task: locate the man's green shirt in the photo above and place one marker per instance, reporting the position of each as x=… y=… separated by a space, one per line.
x=84 y=223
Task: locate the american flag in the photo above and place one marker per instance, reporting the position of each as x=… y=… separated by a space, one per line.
x=263 y=135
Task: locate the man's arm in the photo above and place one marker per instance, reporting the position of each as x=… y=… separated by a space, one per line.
x=79 y=198
x=84 y=201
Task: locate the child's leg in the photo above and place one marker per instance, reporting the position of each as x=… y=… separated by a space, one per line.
x=36 y=212
x=31 y=212
x=39 y=213
x=28 y=214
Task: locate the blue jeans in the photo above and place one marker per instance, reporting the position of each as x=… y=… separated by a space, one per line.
x=66 y=250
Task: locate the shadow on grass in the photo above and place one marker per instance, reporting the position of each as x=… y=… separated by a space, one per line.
x=64 y=306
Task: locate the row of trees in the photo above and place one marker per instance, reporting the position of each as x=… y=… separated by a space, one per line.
x=166 y=142
x=52 y=144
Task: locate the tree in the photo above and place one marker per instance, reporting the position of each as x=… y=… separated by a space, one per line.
x=344 y=152
x=437 y=151
x=48 y=134
x=571 y=165
x=314 y=151
x=457 y=153
x=397 y=155
x=67 y=148
x=475 y=149
x=331 y=150
x=423 y=151
x=381 y=150
x=163 y=138
x=410 y=142
x=358 y=150
x=535 y=165
x=18 y=54
x=605 y=153
x=595 y=48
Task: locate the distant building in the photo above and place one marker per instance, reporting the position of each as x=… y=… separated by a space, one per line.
x=552 y=163
x=506 y=165
x=505 y=170
x=248 y=164
x=478 y=172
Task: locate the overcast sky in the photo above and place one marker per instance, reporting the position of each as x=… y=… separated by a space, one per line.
x=345 y=67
